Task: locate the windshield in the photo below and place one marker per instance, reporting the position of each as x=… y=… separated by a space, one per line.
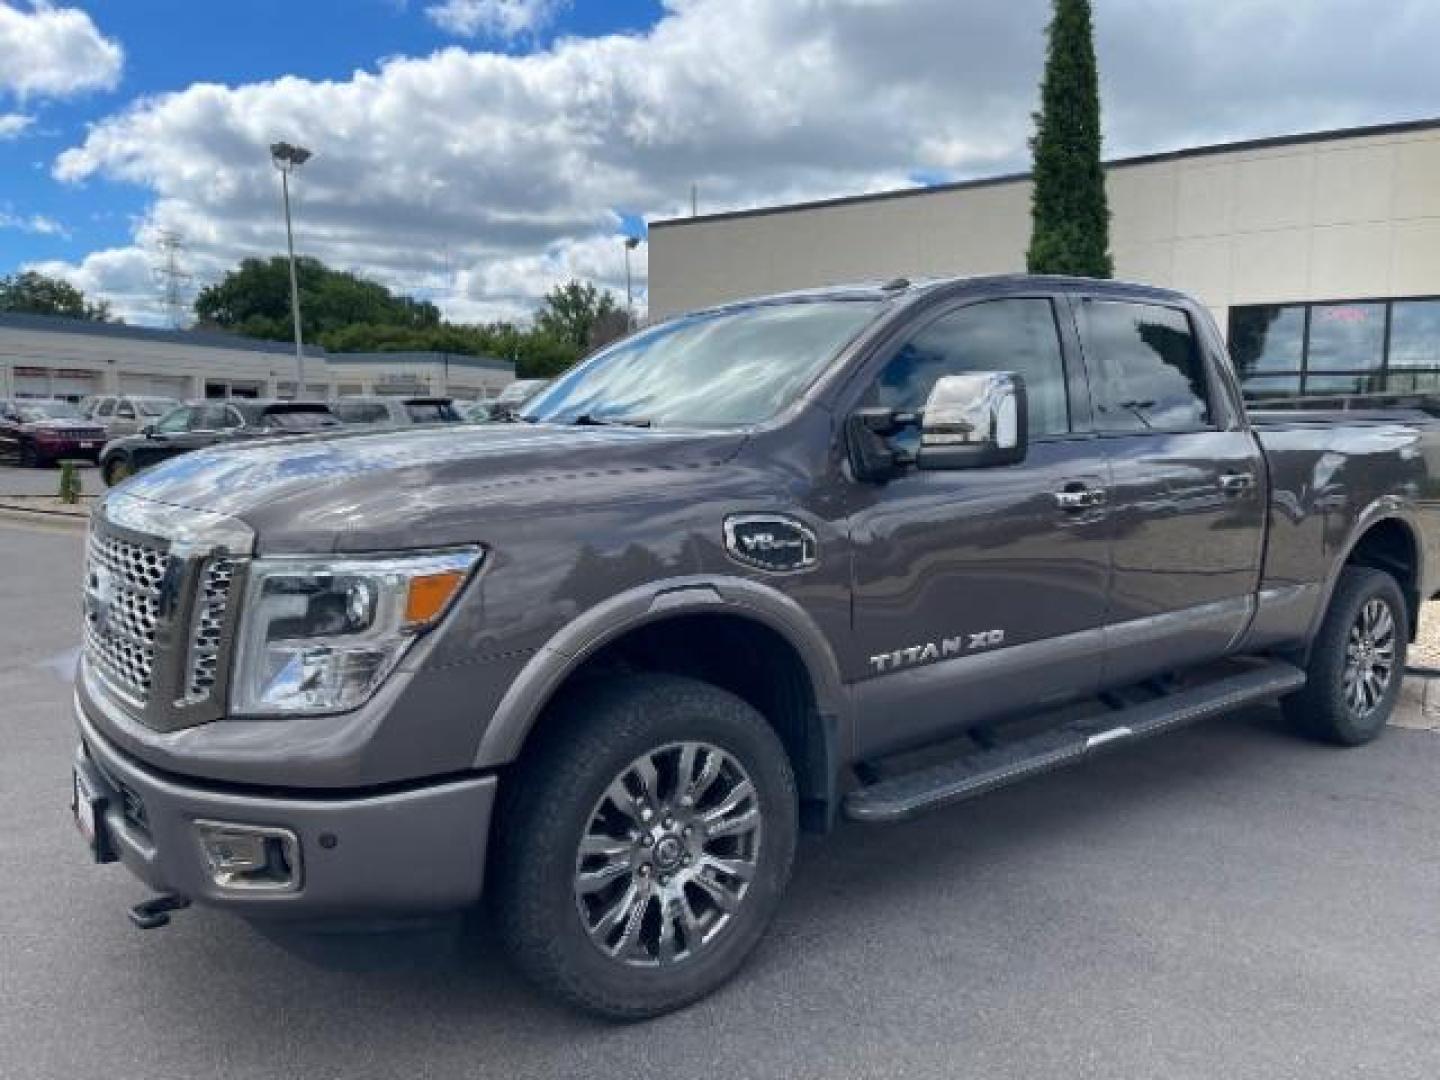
x=155 y=406
x=49 y=410
x=714 y=369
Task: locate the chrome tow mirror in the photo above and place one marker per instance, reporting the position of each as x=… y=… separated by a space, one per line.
x=973 y=421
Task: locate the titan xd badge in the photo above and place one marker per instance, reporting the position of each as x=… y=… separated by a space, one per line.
x=771 y=542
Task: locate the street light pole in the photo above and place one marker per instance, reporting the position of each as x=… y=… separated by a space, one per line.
x=631 y=243
x=286 y=159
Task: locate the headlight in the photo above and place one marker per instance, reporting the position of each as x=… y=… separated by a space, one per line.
x=321 y=635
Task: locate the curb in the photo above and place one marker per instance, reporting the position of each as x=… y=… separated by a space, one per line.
x=27 y=515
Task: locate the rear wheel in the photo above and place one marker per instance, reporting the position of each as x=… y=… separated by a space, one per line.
x=643 y=848
x=116 y=470
x=1357 y=663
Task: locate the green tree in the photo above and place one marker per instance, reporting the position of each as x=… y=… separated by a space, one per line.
x=1069 y=213
x=254 y=300
x=571 y=313
x=40 y=294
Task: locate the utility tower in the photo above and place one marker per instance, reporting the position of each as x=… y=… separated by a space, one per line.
x=173 y=278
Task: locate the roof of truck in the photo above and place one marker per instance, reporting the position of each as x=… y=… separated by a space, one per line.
x=914 y=287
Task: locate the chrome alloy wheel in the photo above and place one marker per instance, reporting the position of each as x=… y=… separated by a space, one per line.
x=668 y=855
x=1369 y=658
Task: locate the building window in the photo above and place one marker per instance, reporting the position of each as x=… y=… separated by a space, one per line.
x=1337 y=348
x=1346 y=337
x=1415 y=334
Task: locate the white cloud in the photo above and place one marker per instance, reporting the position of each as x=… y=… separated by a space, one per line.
x=125 y=277
x=13 y=125
x=36 y=224
x=49 y=51
x=496 y=18
x=479 y=179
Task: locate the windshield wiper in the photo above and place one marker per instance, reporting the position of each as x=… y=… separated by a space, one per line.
x=590 y=420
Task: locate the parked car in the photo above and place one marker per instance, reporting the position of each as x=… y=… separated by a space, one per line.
x=381 y=411
x=855 y=553
x=209 y=423
x=43 y=431
x=512 y=399
x=125 y=414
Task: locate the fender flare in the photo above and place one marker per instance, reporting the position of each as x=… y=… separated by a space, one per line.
x=1385 y=508
x=579 y=640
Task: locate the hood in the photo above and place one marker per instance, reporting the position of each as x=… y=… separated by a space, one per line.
x=425 y=487
x=77 y=423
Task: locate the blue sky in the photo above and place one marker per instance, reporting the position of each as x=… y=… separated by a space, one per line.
x=170 y=44
x=478 y=152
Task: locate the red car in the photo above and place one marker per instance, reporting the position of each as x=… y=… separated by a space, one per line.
x=41 y=432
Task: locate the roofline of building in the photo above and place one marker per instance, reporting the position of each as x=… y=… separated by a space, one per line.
x=1397 y=128
x=493 y=363
x=209 y=339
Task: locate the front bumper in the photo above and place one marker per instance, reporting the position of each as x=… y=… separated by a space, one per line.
x=411 y=851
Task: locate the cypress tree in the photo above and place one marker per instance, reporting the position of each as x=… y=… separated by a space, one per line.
x=1070 y=218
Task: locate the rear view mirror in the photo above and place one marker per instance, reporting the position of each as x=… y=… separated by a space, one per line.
x=974 y=421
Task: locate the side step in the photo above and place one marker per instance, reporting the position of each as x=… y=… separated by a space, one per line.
x=911 y=794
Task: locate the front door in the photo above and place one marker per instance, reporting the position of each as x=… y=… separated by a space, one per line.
x=1187 y=490
x=978 y=593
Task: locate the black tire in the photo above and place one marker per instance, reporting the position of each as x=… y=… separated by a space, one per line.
x=1323 y=709
x=116 y=470
x=29 y=457
x=553 y=798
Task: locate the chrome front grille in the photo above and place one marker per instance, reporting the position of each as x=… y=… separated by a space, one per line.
x=210 y=604
x=122 y=608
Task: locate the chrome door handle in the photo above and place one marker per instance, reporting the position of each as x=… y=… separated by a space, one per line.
x=1079 y=498
x=1237 y=483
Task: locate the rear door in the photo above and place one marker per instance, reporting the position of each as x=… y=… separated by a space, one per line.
x=978 y=593
x=1186 y=491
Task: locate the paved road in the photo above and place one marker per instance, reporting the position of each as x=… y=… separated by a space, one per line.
x=1225 y=902
x=46 y=481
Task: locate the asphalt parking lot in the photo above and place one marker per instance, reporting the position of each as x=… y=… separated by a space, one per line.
x=1228 y=901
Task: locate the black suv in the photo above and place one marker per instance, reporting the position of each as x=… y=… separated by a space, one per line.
x=208 y=423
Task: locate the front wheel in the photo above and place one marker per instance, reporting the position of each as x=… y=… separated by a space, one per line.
x=117 y=470
x=1357 y=662
x=644 y=845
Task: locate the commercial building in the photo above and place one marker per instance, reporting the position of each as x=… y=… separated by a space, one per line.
x=44 y=356
x=1319 y=254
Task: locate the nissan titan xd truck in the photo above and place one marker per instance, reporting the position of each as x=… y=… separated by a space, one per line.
x=845 y=555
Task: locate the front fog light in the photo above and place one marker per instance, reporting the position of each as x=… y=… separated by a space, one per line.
x=255 y=858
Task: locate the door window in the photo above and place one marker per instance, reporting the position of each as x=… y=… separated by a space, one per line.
x=125 y=411
x=1146 y=371
x=998 y=335
x=176 y=420
x=107 y=407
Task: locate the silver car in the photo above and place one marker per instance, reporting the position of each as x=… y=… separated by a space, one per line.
x=125 y=414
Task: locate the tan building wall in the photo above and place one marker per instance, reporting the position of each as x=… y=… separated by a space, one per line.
x=1326 y=217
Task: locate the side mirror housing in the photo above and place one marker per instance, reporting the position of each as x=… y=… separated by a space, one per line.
x=973 y=422
x=148 y=431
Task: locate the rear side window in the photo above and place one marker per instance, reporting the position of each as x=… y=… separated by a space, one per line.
x=1146 y=371
x=107 y=407
x=431 y=412
x=300 y=420
x=999 y=335
x=361 y=412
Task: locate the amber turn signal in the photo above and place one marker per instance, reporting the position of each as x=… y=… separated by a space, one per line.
x=429 y=594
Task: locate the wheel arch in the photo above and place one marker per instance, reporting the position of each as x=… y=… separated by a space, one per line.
x=756 y=642
x=1384 y=537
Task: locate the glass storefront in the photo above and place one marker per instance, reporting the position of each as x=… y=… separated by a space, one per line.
x=1342 y=347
